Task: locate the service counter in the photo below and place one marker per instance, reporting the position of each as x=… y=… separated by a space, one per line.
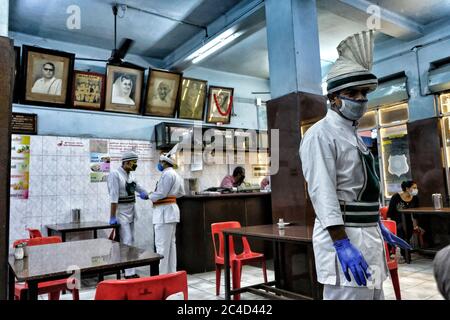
x=195 y=251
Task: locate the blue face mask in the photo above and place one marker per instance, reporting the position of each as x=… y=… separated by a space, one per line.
x=353 y=109
x=160 y=167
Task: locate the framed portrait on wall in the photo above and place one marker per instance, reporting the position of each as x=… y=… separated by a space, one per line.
x=88 y=90
x=192 y=101
x=123 y=88
x=220 y=104
x=163 y=90
x=46 y=76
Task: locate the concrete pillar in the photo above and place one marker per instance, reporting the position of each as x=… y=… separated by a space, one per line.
x=4 y=17
x=293 y=44
x=7 y=59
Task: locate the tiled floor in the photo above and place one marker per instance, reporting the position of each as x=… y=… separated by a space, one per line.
x=416 y=282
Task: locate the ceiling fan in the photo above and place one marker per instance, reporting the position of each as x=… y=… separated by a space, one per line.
x=117 y=54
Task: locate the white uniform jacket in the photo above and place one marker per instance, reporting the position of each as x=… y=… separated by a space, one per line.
x=333 y=170
x=117 y=181
x=170 y=184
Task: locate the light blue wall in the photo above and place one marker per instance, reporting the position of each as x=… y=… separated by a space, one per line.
x=394 y=56
x=67 y=122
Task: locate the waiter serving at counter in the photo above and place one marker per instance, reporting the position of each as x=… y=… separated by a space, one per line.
x=235 y=180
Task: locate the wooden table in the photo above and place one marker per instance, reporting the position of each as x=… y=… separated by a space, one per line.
x=299 y=235
x=64 y=228
x=444 y=212
x=57 y=261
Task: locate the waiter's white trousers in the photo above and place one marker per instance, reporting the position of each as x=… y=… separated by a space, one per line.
x=127 y=237
x=351 y=293
x=165 y=244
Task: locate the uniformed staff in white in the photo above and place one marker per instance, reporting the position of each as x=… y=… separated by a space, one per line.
x=343 y=183
x=166 y=213
x=122 y=188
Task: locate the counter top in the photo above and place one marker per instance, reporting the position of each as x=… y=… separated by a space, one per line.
x=226 y=195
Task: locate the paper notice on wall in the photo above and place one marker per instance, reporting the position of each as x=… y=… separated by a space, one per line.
x=100 y=160
x=118 y=147
x=20 y=166
x=197 y=161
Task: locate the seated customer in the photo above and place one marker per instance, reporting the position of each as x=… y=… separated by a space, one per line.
x=404 y=200
x=235 y=180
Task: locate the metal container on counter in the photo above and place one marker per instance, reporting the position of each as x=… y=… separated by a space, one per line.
x=437 y=200
x=76 y=215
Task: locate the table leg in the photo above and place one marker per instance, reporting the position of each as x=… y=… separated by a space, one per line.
x=101 y=277
x=63 y=236
x=227 y=266
x=95 y=233
x=405 y=232
x=154 y=268
x=32 y=290
x=11 y=283
x=276 y=263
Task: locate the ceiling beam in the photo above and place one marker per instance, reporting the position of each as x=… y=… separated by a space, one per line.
x=391 y=23
x=242 y=17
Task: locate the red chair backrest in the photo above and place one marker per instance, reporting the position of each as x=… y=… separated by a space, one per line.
x=383 y=212
x=391 y=225
x=38 y=241
x=34 y=233
x=150 y=288
x=216 y=229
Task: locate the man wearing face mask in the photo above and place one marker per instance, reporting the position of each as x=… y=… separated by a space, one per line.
x=166 y=213
x=343 y=184
x=122 y=188
x=235 y=180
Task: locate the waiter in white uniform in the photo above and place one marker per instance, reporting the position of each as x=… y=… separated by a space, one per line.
x=166 y=213
x=343 y=183
x=122 y=187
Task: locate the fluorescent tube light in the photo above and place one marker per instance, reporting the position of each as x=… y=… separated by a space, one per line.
x=213 y=46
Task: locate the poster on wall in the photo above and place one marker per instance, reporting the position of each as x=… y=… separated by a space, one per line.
x=99 y=160
x=20 y=165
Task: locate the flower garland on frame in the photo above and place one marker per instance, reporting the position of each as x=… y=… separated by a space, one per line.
x=222 y=113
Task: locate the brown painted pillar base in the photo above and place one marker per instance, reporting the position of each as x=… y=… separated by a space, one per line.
x=6 y=89
x=289 y=192
x=425 y=151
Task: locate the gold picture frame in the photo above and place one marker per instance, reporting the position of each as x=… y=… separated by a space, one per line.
x=193 y=97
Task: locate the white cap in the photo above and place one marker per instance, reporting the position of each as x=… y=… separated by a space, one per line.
x=129 y=155
x=353 y=67
x=169 y=156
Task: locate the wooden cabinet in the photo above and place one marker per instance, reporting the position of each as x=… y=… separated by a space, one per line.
x=195 y=251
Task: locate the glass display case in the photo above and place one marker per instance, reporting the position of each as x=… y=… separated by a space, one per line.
x=383 y=130
x=168 y=134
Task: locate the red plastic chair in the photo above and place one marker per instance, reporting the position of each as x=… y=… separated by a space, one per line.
x=383 y=213
x=391 y=225
x=34 y=233
x=236 y=260
x=150 y=288
x=52 y=288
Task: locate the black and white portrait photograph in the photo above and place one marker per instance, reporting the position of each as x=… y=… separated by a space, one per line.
x=47 y=75
x=163 y=89
x=123 y=89
x=220 y=104
x=192 y=101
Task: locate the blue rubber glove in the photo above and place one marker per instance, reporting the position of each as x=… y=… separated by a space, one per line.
x=113 y=220
x=392 y=239
x=143 y=195
x=351 y=258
